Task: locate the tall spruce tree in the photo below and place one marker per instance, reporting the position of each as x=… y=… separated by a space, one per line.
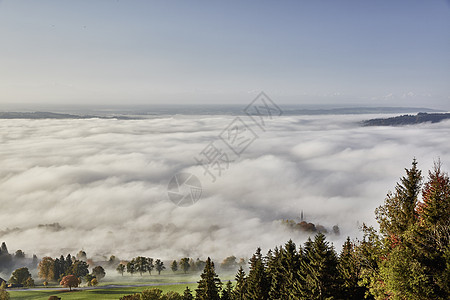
x=398 y=213
x=187 y=294
x=227 y=292
x=258 y=283
x=319 y=270
x=240 y=289
x=430 y=239
x=209 y=285
x=349 y=272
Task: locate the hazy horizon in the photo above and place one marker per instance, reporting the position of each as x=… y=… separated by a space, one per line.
x=153 y=52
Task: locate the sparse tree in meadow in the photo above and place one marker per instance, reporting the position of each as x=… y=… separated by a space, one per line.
x=229 y=263
x=112 y=260
x=140 y=264
x=184 y=264
x=121 y=268
x=150 y=265
x=46 y=269
x=131 y=268
x=99 y=272
x=79 y=268
x=159 y=266
x=81 y=255
x=174 y=266
x=20 y=276
x=19 y=255
x=69 y=281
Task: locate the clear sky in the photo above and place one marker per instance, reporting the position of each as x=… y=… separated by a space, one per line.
x=382 y=53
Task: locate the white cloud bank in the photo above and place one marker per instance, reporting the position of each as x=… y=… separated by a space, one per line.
x=105 y=182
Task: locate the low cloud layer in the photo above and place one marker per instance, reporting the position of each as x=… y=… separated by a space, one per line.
x=105 y=182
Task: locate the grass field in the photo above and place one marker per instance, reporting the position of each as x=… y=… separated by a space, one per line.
x=114 y=293
x=163 y=282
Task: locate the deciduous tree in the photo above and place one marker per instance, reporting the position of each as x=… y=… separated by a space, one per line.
x=69 y=281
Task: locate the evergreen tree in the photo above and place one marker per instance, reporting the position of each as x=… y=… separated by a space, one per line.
x=349 y=272
x=274 y=272
x=258 y=283
x=429 y=241
x=227 y=292
x=398 y=213
x=435 y=207
x=290 y=264
x=4 y=249
x=187 y=294
x=240 y=289
x=319 y=270
x=209 y=285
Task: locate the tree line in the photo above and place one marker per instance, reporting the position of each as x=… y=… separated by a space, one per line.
x=407 y=258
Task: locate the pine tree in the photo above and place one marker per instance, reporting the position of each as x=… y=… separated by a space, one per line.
x=320 y=270
x=349 y=271
x=430 y=238
x=4 y=249
x=209 y=285
x=398 y=214
x=227 y=292
x=187 y=295
x=258 y=283
x=274 y=271
x=435 y=208
x=240 y=289
x=174 y=266
x=290 y=264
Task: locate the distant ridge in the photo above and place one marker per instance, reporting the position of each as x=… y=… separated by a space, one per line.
x=408 y=119
x=151 y=111
x=356 y=110
x=51 y=115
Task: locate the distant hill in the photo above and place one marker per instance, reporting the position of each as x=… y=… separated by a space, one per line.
x=50 y=115
x=408 y=119
x=288 y=110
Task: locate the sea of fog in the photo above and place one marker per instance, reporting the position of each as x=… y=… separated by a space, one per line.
x=105 y=181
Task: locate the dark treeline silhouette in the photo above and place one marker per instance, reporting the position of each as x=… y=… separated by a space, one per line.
x=408 y=119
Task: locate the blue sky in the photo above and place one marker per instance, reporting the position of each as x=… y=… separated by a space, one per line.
x=380 y=53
